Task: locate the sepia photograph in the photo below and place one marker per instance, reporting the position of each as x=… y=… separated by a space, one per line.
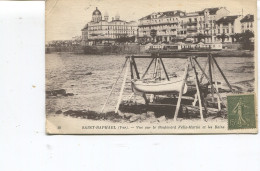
x=109 y=85
x=150 y=67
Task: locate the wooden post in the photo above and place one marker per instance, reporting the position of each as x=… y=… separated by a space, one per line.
x=155 y=68
x=135 y=67
x=148 y=68
x=113 y=87
x=122 y=89
x=195 y=100
x=216 y=86
x=209 y=81
x=210 y=77
x=200 y=81
x=203 y=71
x=166 y=74
x=159 y=69
x=130 y=97
x=185 y=76
x=145 y=99
x=223 y=75
x=138 y=77
x=198 y=89
x=131 y=68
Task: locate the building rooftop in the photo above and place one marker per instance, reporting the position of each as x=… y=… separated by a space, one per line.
x=117 y=21
x=212 y=11
x=165 y=14
x=228 y=19
x=85 y=27
x=247 y=18
x=96 y=12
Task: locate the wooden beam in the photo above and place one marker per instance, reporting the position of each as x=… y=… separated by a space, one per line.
x=166 y=74
x=212 y=84
x=162 y=56
x=155 y=68
x=216 y=85
x=185 y=76
x=135 y=67
x=203 y=71
x=223 y=75
x=121 y=91
x=198 y=89
x=202 y=75
x=148 y=68
x=210 y=77
x=145 y=99
x=113 y=87
x=131 y=68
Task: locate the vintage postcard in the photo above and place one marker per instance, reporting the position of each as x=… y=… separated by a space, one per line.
x=151 y=67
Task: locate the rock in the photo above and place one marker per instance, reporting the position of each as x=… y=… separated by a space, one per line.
x=153 y=120
x=143 y=116
x=128 y=115
x=61 y=91
x=69 y=94
x=68 y=112
x=89 y=73
x=150 y=114
x=56 y=92
x=58 y=112
x=161 y=119
x=135 y=118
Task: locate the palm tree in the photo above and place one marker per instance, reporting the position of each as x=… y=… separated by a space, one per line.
x=223 y=36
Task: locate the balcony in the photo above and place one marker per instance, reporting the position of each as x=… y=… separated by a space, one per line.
x=192 y=23
x=192 y=29
x=157 y=23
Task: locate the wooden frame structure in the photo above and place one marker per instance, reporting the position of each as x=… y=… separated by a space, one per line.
x=191 y=66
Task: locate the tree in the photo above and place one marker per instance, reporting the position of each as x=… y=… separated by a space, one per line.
x=131 y=39
x=236 y=37
x=153 y=34
x=223 y=36
x=200 y=36
x=245 y=39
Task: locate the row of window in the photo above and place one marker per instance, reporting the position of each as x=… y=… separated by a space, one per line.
x=111 y=28
x=112 y=33
x=190 y=20
x=247 y=25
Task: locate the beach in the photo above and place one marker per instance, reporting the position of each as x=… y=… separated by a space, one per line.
x=87 y=79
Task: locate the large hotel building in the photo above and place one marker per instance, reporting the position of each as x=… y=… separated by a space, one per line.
x=208 y=25
x=101 y=30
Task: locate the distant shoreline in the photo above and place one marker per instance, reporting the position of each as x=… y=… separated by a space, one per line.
x=221 y=53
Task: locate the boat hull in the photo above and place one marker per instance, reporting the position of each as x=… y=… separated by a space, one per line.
x=163 y=87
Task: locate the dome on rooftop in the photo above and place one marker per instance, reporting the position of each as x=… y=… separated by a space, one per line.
x=96 y=12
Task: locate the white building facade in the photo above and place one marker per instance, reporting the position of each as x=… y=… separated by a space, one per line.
x=247 y=23
x=100 y=30
x=179 y=26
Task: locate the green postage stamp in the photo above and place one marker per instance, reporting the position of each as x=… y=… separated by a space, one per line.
x=241 y=111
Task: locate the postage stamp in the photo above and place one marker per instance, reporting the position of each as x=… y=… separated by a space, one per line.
x=241 y=111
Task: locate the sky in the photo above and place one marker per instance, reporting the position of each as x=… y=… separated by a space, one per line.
x=66 y=18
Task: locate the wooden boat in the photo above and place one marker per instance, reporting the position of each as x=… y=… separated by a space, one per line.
x=159 y=87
